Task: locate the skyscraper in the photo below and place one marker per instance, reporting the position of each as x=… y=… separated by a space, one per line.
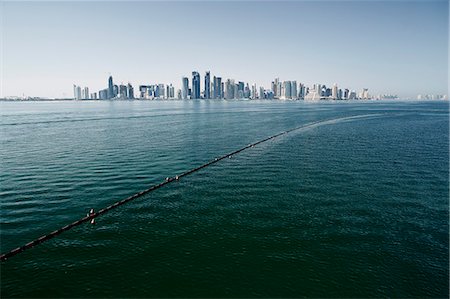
x=130 y=91
x=115 y=90
x=334 y=92
x=276 y=89
x=78 y=93
x=123 y=91
x=103 y=94
x=229 y=89
x=184 y=88
x=110 y=88
x=74 y=91
x=254 y=92
x=85 y=93
x=261 y=93
x=171 y=93
x=195 y=85
x=217 y=86
x=285 y=90
x=294 y=93
x=207 y=86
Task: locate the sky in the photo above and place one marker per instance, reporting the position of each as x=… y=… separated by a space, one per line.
x=390 y=47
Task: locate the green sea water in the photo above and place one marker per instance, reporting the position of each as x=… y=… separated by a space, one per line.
x=354 y=206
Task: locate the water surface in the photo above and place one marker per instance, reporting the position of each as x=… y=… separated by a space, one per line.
x=356 y=206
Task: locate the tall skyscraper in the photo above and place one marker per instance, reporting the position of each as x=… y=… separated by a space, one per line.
x=229 y=89
x=110 y=88
x=122 y=91
x=103 y=94
x=285 y=90
x=346 y=92
x=184 y=88
x=195 y=85
x=276 y=89
x=261 y=93
x=217 y=83
x=160 y=91
x=171 y=93
x=302 y=91
x=85 y=93
x=294 y=93
x=207 y=85
x=334 y=92
x=74 y=91
x=365 y=94
x=78 y=94
x=254 y=92
x=130 y=91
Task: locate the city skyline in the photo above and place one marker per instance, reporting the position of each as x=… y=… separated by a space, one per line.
x=391 y=47
x=226 y=89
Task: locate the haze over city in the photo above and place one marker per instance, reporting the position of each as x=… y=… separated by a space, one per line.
x=389 y=47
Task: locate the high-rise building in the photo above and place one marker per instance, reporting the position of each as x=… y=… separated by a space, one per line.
x=115 y=90
x=253 y=93
x=334 y=91
x=77 y=92
x=170 y=92
x=195 y=85
x=85 y=93
x=217 y=89
x=301 y=91
x=184 y=88
x=261 y=93
x=79 y=95
x=207 y=85
x=294 y=93
x=142 y=91
x=346 y=93
x=276 y=88
x=103 y=94
x=229 y=89
x=130 y=91
x=160 y=91
x=122 y=91
x=110 y=88
x=286 y=90
x=365 y=94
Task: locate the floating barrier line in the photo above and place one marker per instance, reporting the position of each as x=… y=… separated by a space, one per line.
x=168 y=180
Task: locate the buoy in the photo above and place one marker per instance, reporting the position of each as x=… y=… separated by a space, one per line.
x=91 y=211
x=167 y=179
x=176 y=177
x=93 y=221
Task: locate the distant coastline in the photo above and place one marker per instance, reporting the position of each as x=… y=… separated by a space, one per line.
x=215 y=100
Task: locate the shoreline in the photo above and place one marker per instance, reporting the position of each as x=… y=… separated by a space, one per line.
x=221 y=100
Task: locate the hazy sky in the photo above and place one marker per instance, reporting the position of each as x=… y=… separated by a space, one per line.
x=398 y=47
